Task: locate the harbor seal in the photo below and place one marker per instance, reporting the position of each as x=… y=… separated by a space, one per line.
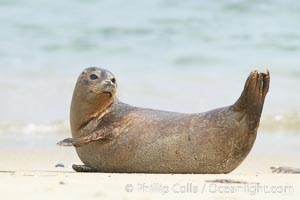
x=111 y=136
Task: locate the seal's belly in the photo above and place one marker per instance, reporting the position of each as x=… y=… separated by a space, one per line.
x=183 y=145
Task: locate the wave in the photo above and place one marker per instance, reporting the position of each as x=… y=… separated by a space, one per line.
x=48 y=128
x=287 y=122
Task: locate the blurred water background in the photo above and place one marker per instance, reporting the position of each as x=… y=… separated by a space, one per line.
x=185 y=56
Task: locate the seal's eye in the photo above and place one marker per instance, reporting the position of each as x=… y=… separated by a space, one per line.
x=93 y=77
x=113 y=80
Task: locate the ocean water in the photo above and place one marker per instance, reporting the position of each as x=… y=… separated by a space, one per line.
x=185 y=56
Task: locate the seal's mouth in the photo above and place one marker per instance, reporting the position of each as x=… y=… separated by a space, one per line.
x=108 y=93
x=108 y=88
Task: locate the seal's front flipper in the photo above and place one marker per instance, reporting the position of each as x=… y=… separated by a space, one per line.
x=68 y=142
x=253 y=96
x=78 y=142
x=285 y=170
x=83 y=168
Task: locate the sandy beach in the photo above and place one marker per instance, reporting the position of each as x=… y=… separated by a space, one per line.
x=31 y=173
x=181 y=56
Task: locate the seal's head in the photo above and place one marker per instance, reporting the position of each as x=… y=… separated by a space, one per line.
x=95 y=90
x=97 y=83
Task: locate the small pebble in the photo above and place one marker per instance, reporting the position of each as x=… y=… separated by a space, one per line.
x=59 y=165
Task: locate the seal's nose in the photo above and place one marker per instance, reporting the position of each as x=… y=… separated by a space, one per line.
x=109 y=82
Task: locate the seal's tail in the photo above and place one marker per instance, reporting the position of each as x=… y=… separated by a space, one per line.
x=252 y=98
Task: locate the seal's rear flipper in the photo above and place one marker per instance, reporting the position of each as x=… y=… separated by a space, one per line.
x=252 y=99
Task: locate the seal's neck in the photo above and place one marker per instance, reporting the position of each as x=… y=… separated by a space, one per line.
x=84 y=108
